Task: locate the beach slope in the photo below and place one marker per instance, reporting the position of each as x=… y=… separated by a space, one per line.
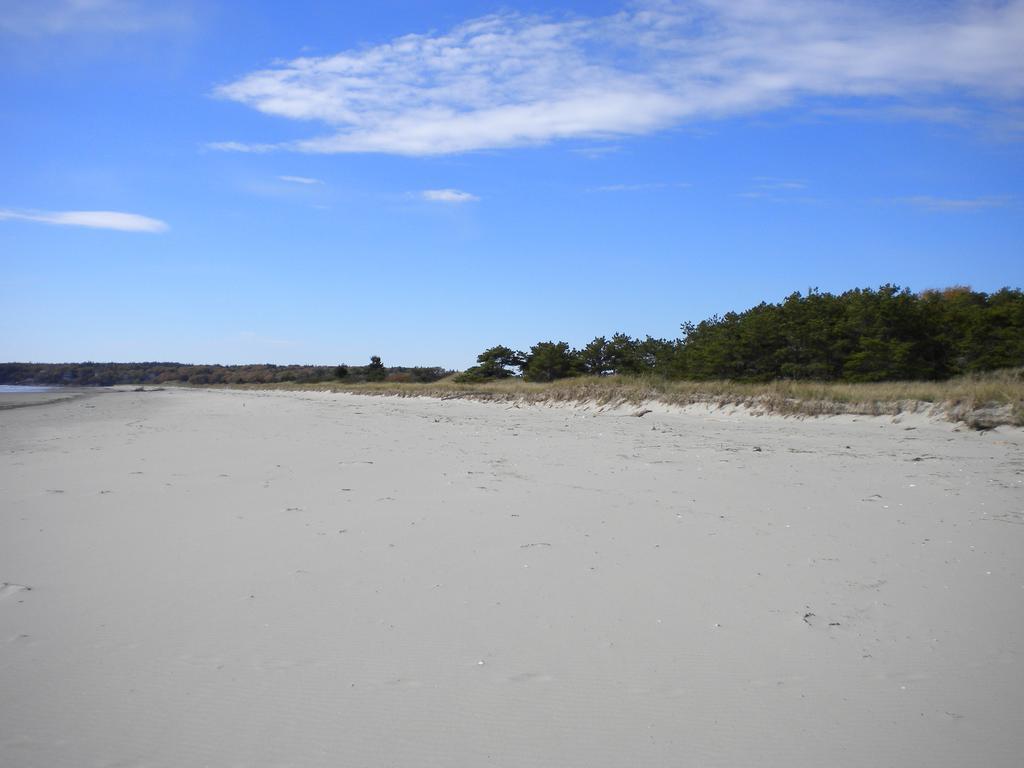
x=315 y=579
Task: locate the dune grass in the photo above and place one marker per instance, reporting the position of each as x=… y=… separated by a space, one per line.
x=980 y=400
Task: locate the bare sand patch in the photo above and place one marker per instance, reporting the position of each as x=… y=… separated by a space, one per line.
x=263 y=579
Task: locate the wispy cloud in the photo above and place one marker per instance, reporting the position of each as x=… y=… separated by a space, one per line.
x=448 y=196
x=930 y=203
x=510 y=80
x=641 y=187
x=240 y=146
x=39 y=18
x=123 y=222
x=594 y=153
x=774 y=189
x=772 y=183
x=948 y=114
x=300 y=180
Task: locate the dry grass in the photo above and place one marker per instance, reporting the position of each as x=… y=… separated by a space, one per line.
x=981 y=401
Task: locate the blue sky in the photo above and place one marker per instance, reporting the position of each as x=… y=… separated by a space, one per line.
x=316 y=182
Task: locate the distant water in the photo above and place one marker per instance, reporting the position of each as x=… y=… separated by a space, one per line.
x=12 y=389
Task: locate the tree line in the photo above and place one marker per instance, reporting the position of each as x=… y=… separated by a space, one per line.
x=108 y=374
x=860 y=335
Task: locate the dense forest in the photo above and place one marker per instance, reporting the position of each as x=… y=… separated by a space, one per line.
x=859 y=335
x=107 y=374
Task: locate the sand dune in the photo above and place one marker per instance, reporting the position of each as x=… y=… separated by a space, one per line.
x=224 y=578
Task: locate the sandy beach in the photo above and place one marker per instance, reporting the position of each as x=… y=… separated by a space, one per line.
x=218 y=578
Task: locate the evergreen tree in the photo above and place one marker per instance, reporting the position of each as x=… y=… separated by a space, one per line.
x=595 y=359
x=376 y=371
x=548 y=361
x=494 y=363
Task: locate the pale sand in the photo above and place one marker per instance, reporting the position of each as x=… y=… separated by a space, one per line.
x=267 y=579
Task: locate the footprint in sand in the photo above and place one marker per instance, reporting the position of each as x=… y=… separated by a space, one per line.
x=529 y=677
x=7 y=589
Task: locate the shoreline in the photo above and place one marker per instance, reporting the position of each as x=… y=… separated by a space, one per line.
x=12 y=400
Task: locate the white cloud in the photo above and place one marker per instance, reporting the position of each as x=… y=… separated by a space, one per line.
x=300 y=180
x=510 y=80
x=123 y=222
x=448 y=196
x=931 y=203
